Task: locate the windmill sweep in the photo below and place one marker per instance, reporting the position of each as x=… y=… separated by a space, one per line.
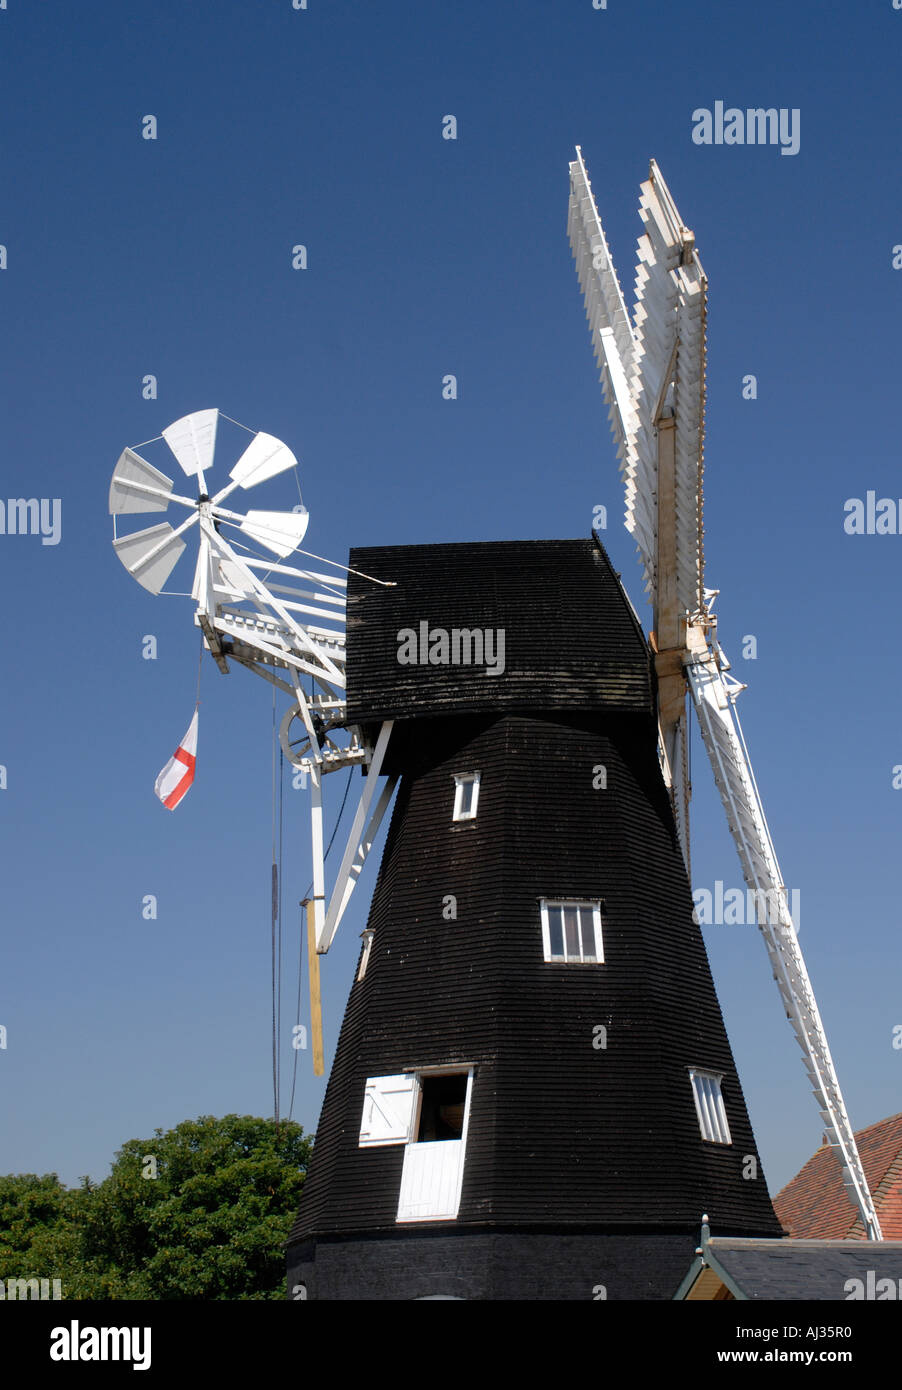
x=533 y=1094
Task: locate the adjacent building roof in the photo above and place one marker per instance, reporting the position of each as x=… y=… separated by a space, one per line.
x=815 y=1204
x=791 y=1270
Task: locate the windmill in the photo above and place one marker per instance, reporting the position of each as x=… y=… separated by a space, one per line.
x=452 y=1025
x=533 y=1093
x=534 y=887
x=653 y=379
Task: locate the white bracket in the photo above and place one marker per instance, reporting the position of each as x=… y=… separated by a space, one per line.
x=360 y=840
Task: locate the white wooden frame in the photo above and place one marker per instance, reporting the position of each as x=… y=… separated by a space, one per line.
x=371 y=808
x=461 y=780
x=396 y=1098
x=583 y=904
x=454 y=1150
x=367 y=934
x=709 y=1106
x=451 y=1069
x=653 y=379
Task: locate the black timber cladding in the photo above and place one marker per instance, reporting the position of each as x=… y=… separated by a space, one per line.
x=570 y=638
x=493 y=1264
x=561 y=1134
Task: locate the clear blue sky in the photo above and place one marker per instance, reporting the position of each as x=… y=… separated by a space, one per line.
x=172 y=257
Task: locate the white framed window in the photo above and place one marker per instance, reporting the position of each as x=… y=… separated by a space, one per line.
x=427 y=1111
x=417 y=1107
x=466 y=795
x=571 y=931
x=709 y=1106
x=367 y=936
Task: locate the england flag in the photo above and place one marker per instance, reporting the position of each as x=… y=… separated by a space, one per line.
x=178 y=774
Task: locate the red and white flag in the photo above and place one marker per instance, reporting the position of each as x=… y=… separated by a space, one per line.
x=178 y=774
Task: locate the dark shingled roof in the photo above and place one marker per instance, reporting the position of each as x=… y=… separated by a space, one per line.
x=816 y=1206
x=795 y=1270
x=571 y=639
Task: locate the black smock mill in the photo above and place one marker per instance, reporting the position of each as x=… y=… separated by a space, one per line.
x=533 y=1094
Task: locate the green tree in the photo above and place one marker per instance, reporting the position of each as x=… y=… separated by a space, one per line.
x=36 y=1226
x=199 y=1211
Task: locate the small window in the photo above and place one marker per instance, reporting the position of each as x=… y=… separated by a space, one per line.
x=571 y=932
x=367 y=937
x=443 y=1102
x=709 y=1106
x=466 y=795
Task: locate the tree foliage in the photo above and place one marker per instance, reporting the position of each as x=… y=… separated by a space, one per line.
x=199 y=1211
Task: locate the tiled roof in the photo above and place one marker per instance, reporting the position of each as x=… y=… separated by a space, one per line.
x=793 y=1270
x=815 y=1205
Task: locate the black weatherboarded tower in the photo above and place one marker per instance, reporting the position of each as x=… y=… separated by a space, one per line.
x=533 y=1094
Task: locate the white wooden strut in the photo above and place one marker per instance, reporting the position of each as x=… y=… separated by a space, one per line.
x=653 y=377
x=260 y=620
x=722 y=735
x=360 y=839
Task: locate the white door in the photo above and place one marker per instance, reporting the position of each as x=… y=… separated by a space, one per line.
x=431 y=1181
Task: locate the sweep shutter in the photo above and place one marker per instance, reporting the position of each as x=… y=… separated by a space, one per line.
x=388 y=1109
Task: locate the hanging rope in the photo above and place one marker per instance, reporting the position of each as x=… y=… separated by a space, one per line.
x=274 y=922
x=279 y=906
x=200 y=664
x=337 y=824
